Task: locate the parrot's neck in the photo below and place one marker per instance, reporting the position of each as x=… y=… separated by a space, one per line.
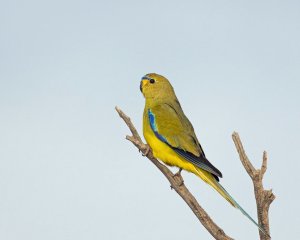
x=152 y=102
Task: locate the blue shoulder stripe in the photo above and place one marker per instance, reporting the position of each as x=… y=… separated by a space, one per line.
x=154 y=127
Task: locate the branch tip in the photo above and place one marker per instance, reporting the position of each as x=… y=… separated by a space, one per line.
x=263 y=197
x=264 y=163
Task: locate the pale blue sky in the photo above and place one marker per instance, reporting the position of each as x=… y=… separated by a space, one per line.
x=66 y=171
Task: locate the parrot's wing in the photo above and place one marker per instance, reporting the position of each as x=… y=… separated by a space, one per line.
x=171 y=126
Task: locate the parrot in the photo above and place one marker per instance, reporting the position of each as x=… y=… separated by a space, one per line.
x=172 y=138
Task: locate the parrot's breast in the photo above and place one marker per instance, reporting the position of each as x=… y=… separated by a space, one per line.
x=162 y=151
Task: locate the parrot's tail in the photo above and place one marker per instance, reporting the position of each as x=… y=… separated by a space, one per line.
x=208 y=178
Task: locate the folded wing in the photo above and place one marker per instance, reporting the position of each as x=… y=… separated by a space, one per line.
x=171 y=126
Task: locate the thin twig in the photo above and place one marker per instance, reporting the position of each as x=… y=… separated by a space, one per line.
x=176 y=182
x=263 y=197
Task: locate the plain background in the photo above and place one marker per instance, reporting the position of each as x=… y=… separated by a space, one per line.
x=66 y=171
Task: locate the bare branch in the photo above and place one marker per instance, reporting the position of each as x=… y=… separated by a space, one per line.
x=264 y=164
x=127 y=120
x=176 y=182
x=246 y=163
x=263 y=197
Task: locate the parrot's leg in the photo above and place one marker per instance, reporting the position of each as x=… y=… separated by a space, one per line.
x=145 y=153
x=179 y=171
x=178 y=177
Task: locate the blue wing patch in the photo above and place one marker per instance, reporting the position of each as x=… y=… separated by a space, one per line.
x=154 y=127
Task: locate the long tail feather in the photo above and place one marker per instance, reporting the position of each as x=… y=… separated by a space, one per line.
x=208 y=178
x=238 y=206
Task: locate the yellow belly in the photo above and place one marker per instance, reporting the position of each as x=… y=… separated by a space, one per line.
x=164 y=153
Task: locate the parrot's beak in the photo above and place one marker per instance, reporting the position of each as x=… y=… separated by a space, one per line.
x=142 y=84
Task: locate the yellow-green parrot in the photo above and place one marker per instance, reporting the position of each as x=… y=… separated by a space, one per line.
x=172 y=138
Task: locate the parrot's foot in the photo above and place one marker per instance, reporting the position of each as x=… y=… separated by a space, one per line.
x=178 y=178
x=179 y=172
x=145 y=153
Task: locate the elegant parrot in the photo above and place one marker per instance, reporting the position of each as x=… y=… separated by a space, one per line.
x=171 y=135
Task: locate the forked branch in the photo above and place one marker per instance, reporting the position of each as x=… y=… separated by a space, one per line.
x=263 y=197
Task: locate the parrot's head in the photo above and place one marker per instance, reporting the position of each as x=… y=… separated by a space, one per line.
x=154 y=86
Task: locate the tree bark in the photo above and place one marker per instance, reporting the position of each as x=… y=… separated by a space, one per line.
x=263 y=197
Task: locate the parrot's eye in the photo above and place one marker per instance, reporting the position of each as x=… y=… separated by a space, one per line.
x=152 y=80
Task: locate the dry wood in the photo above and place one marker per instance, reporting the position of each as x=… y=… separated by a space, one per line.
x=263 y=197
